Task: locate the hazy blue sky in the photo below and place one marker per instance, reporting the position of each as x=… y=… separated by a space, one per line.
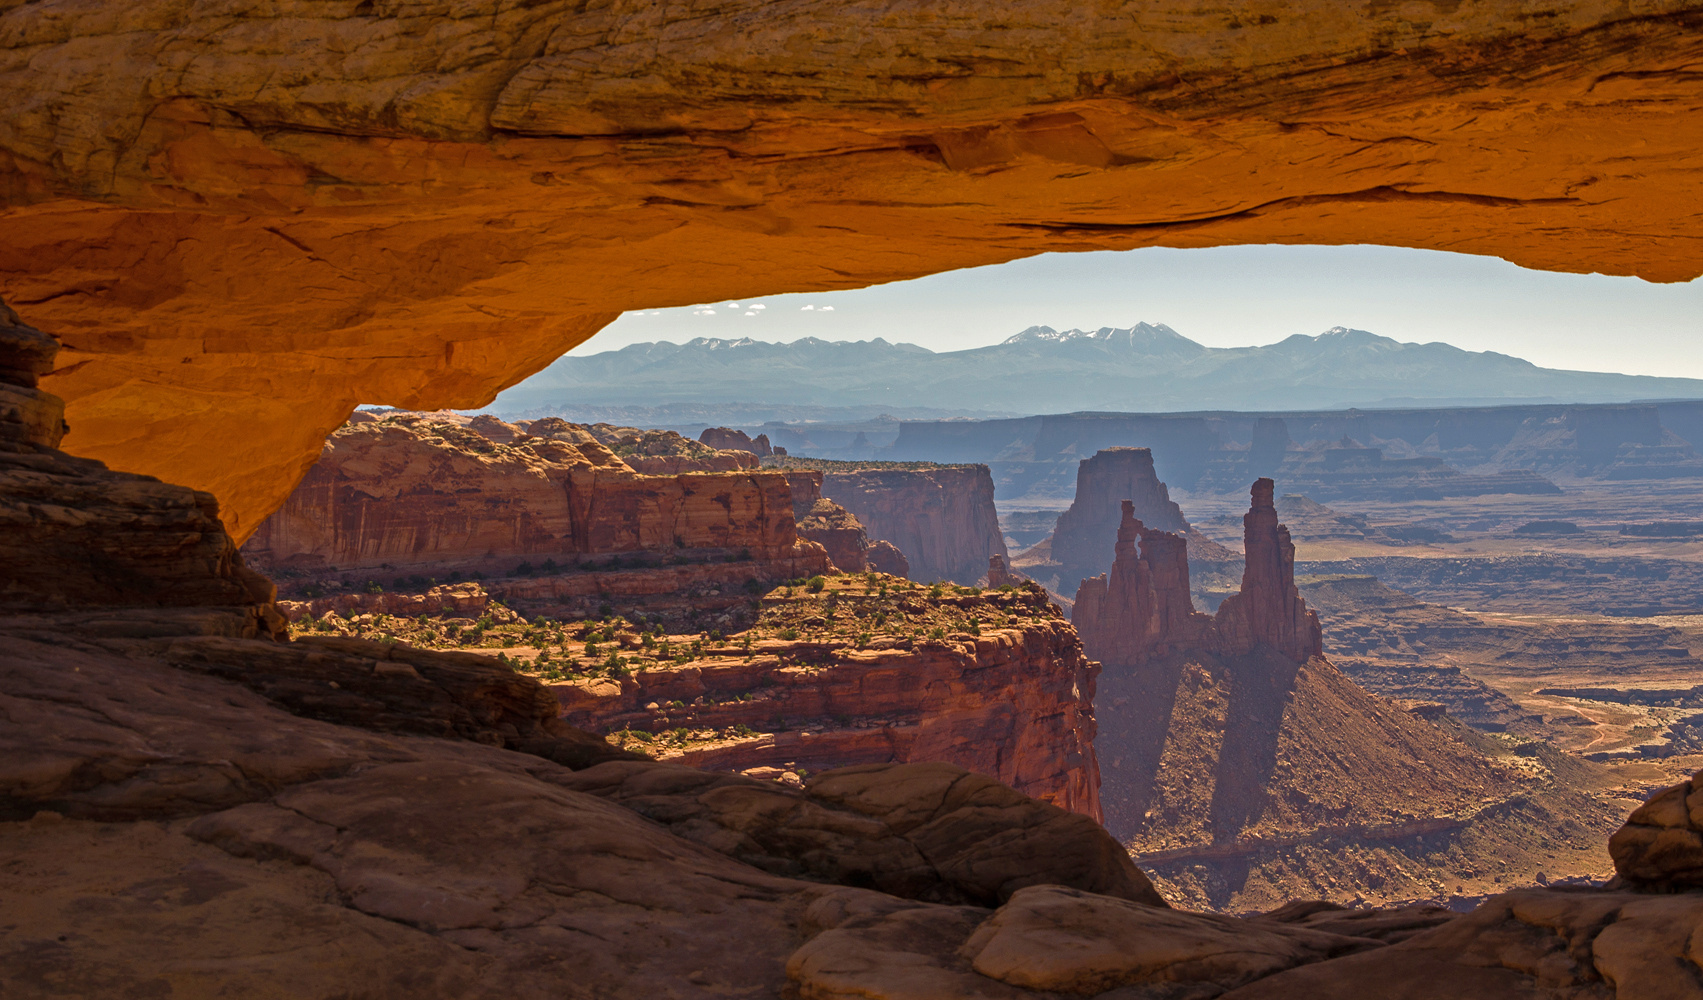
x=1237 y=297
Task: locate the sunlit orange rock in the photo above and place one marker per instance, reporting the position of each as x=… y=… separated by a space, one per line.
x=244 y=221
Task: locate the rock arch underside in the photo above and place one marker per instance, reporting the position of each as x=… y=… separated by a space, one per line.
x=244 y=219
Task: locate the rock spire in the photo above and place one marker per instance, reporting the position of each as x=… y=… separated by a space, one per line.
x=1142 y=608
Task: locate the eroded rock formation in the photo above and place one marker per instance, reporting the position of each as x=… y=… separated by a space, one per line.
x=1082 y=544
x=860 y=674
x=885 y=557
x=837 y=530
x=448 y=208
x=74 y=533
x=1661 y=845
x=1240 y=763
x=410 y=492
x=728 y=439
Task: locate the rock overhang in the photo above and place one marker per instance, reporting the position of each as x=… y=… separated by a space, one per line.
x=241 y=224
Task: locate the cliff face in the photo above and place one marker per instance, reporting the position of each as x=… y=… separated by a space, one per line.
x=942 y=518
x=410 y=492
x=993 y=683
x=1268 y=611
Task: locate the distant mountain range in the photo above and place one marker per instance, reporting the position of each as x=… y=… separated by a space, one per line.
x=1145 y=368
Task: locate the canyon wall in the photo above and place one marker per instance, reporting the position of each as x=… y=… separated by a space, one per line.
x=941 y=517
x=995 y=683
x=465 y=196
x=409 y=492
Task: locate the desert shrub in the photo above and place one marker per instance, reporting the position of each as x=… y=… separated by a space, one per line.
x=373 y=587
x=789 y=634
x=815 y=584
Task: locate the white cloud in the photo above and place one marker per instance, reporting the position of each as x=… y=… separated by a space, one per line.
x=750 y=313
x=758 y=305
x=731 y=305
x=806 y=308
x=827 y=309
x=703 y=312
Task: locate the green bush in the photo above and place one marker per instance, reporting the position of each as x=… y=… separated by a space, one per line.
x=789 y=634
x=815 y=584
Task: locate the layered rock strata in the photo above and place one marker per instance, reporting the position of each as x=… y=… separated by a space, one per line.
x=412 y=205
x=940 y=516
x=1661 y=845
x=235 y=842
x=854 y=674
x=410 y=492
x=837 y=530
x=74 y=533
x=884 y=557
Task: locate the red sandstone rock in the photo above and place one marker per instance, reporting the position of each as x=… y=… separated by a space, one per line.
x=1661 y=845
x=885 y=557
x=1268 y=611
x=838 y=531
x=465 y=599
x=941 y=517
x=74 y=533
x=1143 y=608
x=999 y=574
x=1015 y=703
x=410 y=492
x=499 y=431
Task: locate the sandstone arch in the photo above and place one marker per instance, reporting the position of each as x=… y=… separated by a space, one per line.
x=243 y=219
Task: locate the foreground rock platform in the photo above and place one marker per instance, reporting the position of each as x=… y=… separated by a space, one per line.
x=169 y=831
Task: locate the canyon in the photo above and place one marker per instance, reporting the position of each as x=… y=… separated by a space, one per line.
x=418 y=495
x=1242 y=767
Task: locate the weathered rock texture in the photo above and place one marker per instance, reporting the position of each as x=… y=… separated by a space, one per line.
x=460 y=198
x=839 y=531
x=1661 y=845
x=990 y=682
x=885 y=557
x=410 y=492
x=73 y=533
x=652 y=452
x=1081 y=545
x=940 y=516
